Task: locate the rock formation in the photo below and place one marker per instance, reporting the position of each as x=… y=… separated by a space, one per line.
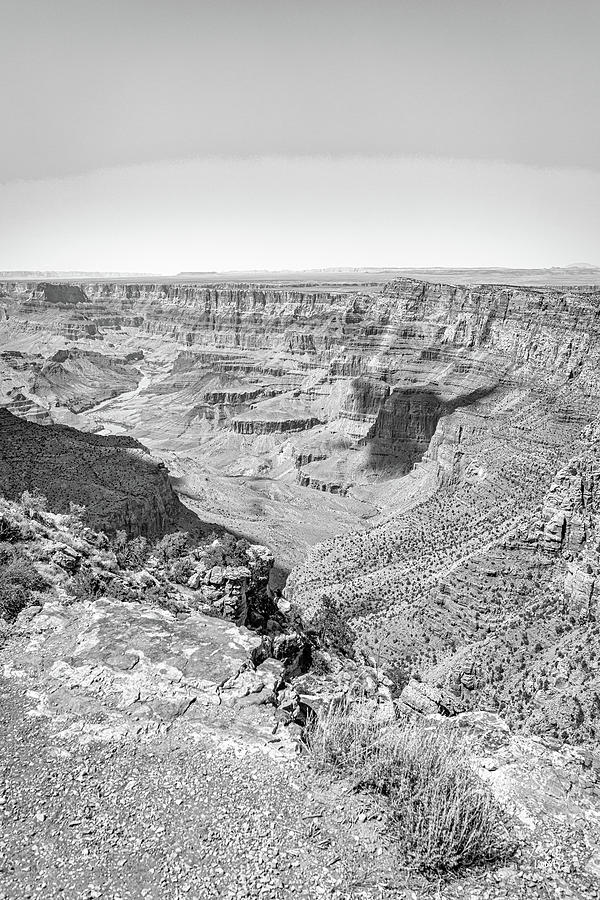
x=125 y=648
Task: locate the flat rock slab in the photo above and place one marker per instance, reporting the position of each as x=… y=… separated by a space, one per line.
x=128 y=665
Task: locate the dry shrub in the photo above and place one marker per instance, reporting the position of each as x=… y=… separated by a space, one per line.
x=343 y=738
x=86 y=586
x=131 y=553
x=18 y=578
x=8 y=553
x=13 y=598
x=11 y=530
x=182 y=569
x=223 y=550
x=444 y=816
x=21 y=571
x=172 y=546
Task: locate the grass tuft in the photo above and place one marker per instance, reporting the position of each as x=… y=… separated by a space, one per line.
x=443 y=815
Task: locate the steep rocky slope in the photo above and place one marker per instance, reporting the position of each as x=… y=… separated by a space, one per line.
x=120 y=485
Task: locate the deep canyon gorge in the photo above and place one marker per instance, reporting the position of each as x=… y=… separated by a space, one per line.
x=420 y=457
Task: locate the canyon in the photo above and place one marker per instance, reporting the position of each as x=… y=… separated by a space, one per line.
x=420 y=456
x=226 y=509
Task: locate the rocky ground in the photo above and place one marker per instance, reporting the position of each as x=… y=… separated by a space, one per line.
x=201 y=809
x=164 y=818
x=153 y=751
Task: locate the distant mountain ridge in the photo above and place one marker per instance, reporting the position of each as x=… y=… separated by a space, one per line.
x=571 y=275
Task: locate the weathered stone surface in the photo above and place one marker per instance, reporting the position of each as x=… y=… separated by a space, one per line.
x=67 y=561
x=142 y=664
x=421 y=697
x=542 y=787
x=580 y=588
x=271 y=671
x=489 y=729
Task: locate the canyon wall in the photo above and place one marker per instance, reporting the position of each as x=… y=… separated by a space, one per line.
x=359 y=387
x=327 y=325
x=385 y=366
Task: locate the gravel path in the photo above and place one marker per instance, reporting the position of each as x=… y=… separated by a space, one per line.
x=154 y=820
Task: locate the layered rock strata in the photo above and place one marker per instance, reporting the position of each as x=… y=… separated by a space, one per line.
x=436 y=417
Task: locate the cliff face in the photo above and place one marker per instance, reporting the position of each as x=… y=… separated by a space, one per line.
x=59 y=294
x=115 y=478
x=410 y=329
x=448 y=341
x=331 y=325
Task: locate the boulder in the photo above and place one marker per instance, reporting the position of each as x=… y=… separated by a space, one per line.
x=288 y=646
x=67 y=559
x=421 y=698
x=236 y=573
x=271 y=672
x=216 y=575
x=241 y=684
x=196 y=579
x=489 y=729
x=260 y=559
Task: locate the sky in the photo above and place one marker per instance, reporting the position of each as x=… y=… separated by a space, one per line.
x=145 y=135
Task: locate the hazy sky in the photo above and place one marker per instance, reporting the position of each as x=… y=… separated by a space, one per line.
x=189 y=134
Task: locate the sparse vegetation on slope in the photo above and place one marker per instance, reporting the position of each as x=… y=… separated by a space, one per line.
x=444 y=817
x=43 y=551
x=484 y=595
x=19 y=577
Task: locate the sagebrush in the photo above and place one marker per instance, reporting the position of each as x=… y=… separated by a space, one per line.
x=18 y=578
x=443 y=815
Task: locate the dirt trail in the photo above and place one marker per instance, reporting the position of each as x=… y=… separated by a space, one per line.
x=168 y=817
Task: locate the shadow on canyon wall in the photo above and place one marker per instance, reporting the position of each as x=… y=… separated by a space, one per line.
x=405 y=424
x=114 y=477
